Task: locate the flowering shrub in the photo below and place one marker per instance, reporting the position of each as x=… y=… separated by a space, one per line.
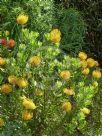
x=41 y=94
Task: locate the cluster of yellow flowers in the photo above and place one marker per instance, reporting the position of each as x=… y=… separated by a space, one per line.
x=67 y=106
x=87 y=63
x=29 y=105
x=7 y=87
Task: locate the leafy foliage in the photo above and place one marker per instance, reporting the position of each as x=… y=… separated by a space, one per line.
x=73 y=30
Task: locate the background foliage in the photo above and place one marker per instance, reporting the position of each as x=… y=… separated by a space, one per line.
x=73 y=29
x=41 y=14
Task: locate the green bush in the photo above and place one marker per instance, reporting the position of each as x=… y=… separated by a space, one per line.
x=73 y=30
x=92 y=12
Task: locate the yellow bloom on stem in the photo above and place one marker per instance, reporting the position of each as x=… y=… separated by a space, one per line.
x=86 y=71
x=22 y=19
x=83 y=64
x=22 y=83
x=96 y=74
x=65 y=75
x=91 y=62
x=85 y=110
x=55 y=36
x=35 y=60
x=95 y=84
x=67 y=106
x=39 y=93
x=96 y=63
x=1 y=122
x=7 y=33
x=12 y=79
x=27 y=115
x=29 y=104
x=6 y=88
x=68 y=92
x=2 y=61
x=82 y=55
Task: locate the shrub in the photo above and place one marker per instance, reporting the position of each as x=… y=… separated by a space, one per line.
x=73 y=30
x=40 y=94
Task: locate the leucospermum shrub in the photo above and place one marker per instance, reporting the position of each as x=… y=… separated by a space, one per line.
x=41 y=93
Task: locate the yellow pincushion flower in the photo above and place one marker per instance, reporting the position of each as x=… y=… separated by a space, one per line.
x=96 y=74
x=6 y=88
x=22 y=83
x=86 y=71
x=91 y=62
x=82 y=55
x=65 y=75
x=96 y=63
x=68 y=92
x=28 y=104
x=6 y=33
x=67 y=106
x=85 y=110
x=35 y=60
x=1 y=122
x=27 y=116
x=2 y=61
x=22 y=19
x=55 y=36
x=12 y=79
x=83 y=64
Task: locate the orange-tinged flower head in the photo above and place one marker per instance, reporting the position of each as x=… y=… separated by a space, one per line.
x=67 y=106
x=85 y=110
x=28 y=104
x=1 y=122
x=86 y=71
x=91 y=62
x=11 y=43
x=6 y=88
x=96 y=74
x=2 y=61
x=55 y=36
x=27 y=115
x=68 y=92
x=65 y=75
x=22 y=83
x=12 y=79
x=35 y=60
x=82 y=56
x=22 y=19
